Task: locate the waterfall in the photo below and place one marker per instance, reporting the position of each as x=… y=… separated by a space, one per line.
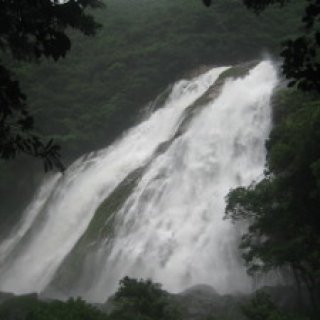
x=170 y=227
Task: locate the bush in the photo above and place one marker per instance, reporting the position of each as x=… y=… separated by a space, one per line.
x=143 y=300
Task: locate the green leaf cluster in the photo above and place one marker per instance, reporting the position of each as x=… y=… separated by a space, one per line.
x=29 y=307
x=143 y=300
x=104 y=84
x=30 y=30
x=283 y=209
x=135 y=299
x=261 y=307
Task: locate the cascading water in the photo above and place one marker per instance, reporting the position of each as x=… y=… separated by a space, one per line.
x=53 y=224
x=171 y=227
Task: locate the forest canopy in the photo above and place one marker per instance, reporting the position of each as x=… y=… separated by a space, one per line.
x=282 y=209
x=300 y=55
x=29 y=30
x=105 y=83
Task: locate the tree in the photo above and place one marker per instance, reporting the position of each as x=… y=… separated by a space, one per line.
x=261 y=307
x=301 y=56
x=142 y=300
x=30 y=307
x=283 y=209
x=29 y=30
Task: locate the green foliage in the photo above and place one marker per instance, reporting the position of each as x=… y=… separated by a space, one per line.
x=261 y=307
x=28 y=31
x=16 y=125
x=135 y=299
x=101 y=88
x=143 y=300
x=73 y=309
x=301 y=55
x=29 y=307
x=162 y=41
x=259 y=5
x=283 y=208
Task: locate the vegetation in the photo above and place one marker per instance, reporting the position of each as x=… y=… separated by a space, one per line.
x=163 y=40
x=41 y=31
x=135 y=299
x=143 y=300
x=282 y=210
x=29 y=307
x=261 y=307
x=103 y=85
x=301 y=55
x=28 y=31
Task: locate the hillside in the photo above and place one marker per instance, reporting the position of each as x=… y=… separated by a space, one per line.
x=105 y=83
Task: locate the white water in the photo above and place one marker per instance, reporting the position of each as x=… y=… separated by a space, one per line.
x=64 y=206
x=171 y=228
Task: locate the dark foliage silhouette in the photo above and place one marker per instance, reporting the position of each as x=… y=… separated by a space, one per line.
x=300 y=55
x=30 y=30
